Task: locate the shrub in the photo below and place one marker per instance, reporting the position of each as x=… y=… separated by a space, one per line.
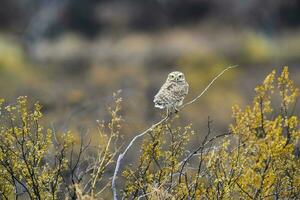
x=257 y=158
x=37 y=164
x=24 y=147
x=254 y=160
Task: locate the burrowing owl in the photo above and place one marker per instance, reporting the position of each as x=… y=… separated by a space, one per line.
x=172 y=92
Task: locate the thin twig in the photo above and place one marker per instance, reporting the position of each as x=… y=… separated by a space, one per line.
x=185 y=161
x=208 y=86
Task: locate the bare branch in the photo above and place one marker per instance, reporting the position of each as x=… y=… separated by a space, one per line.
x=121 y=156
x=208 y=86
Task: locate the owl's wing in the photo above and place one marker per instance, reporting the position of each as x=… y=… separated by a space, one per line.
x=186 y=88
x=165 y=88
x=162 y=98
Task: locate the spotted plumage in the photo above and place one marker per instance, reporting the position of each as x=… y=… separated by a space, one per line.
x=172 y=93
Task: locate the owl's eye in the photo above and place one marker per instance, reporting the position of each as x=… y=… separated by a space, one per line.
x=171 y=76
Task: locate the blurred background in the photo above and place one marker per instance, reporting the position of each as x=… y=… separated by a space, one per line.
x=71 y=55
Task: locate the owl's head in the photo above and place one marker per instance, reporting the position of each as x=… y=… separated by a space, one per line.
x=176 y=77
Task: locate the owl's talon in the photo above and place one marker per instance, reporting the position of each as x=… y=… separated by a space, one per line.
x=176 y=110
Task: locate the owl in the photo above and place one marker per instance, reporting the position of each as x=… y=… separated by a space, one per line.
x=172 y=93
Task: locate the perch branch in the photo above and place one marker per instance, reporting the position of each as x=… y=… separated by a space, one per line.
x=208 y=86
x=121 y=156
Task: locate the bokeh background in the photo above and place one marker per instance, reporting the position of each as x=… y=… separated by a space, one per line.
x=71 y=55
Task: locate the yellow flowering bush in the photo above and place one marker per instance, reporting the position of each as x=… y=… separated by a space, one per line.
x=159 y=162
x=24 y=146
x=37 y=163
x=268 y=165
x=255 y=160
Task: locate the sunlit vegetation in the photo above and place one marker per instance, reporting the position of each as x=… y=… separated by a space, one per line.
x=38 y=163
x=256 y=158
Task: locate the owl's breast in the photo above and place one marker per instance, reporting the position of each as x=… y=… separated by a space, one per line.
x=170 y=94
